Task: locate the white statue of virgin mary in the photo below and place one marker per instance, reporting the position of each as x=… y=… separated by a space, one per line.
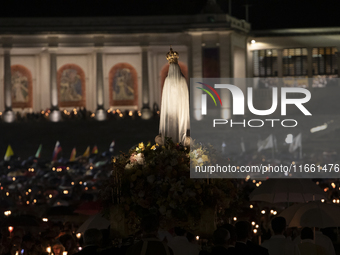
x=175 y=119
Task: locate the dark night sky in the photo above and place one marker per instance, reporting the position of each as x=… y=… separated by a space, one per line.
x=264 y=14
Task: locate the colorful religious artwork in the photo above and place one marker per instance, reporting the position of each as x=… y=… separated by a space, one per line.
x=71 y=86
x=21 y=87
x=123 y=85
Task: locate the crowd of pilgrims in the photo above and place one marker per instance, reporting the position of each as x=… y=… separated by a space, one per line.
x=228 y=239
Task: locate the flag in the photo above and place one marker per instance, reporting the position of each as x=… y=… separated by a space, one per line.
x=243 y=147
x=95 y=150
x=73 y=155
x=112 y=147
x=57 y=149
x=266 y=143
x=297 y=142
x=9 y=153
x=38 y=153
x=87 y=152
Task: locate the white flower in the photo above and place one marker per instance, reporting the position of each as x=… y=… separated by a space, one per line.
x=128 y=166
x=150 y=179
x=140 y=158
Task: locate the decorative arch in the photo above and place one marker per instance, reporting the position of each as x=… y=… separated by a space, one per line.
x=123 y=85
x=71 y=86
x=165 y=70
x=21 y=87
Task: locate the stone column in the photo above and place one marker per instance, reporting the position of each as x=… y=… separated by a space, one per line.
x=225 y=72
x=197 y=72
x=8 y=115
x=100 y=112
x=146 y=112
x=55 y=115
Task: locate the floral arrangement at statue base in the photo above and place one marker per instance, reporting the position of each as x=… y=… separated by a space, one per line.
x=156 y=179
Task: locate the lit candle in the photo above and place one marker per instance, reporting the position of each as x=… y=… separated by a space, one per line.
x=45 y=219
x=48 y=250
x=78 y=235
x=10 y=229
x=197 y=238
x=64 y=252
x=255 y=231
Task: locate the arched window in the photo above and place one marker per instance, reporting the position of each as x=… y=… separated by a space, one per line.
x=71 y=86
x=123 y=85
x=21 y=87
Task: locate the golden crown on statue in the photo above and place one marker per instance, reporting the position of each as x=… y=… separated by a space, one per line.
x=172 y=56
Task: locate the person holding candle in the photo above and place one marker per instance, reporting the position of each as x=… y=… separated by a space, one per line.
x=58 y=248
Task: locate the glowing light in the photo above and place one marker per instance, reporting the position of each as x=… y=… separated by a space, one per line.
x=13 y=179
x=10 y=229
x=263 y=212
x=130 y=113
x=251 y=206
x=257 y=226
x=29 y=190
x=7 y=193
x=48 y=249
x=275 y=212
x=253 y=41
x=255 y=230
x=197 y=238
x=72 y=183
x=64 y=252
x=333 y=185
x=78 y=235
x=80 y=183
x=45 y=220
x=322 y=200
x=28 y=202
x=50 y=195
x=34 y=200
x=235 y=218
x=254 y=181
x=65 y=192
x=253 y=223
